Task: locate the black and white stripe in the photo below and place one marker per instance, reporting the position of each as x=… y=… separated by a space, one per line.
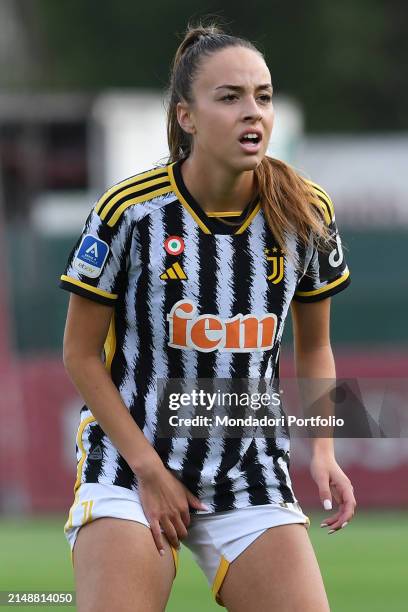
x=226 y=275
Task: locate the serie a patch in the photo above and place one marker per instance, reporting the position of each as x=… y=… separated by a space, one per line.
x=91 y=256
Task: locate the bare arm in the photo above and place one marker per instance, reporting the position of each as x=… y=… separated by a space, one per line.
x=165 y=500
x=313 y=353
x=85 y=332
x=314 y=360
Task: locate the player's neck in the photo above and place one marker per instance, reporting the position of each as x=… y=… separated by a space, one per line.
x=214 y=188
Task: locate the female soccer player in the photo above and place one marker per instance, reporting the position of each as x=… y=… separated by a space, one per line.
x=188 y=271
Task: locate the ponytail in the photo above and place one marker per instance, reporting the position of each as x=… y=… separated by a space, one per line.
x=198 y=41
x=286 y=200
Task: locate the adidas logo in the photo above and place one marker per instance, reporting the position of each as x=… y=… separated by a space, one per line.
x=96 y=454
x=175 y=272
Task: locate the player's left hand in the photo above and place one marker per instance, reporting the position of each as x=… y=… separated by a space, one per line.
x=332 y=482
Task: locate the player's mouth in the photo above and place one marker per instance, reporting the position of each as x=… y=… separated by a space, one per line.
x=250 y=140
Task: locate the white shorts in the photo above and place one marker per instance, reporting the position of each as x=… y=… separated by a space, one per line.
x=215 y=539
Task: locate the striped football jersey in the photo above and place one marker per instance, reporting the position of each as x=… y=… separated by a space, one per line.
x=194 y=295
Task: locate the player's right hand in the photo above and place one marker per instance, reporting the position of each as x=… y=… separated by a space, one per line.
x=166 y=503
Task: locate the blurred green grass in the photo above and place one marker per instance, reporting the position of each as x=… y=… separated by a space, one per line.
x=365 y=567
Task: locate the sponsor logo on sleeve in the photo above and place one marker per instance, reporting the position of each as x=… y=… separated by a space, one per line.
x=336 y=256
x=91 y=256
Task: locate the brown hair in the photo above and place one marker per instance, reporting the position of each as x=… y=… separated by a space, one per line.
x=285 y=196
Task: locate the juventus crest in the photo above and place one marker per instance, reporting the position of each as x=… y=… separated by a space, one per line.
x=278 y=265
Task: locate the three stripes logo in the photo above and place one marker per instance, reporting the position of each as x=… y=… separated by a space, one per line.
x=174 y=272
x=96 y=454
x=133 y=190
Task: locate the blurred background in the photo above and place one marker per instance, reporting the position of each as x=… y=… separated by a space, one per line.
x=82 y=88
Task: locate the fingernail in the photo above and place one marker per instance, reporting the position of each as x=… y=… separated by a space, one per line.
x=323 y=524
x=327 y=504
x=161 y=551
x=204 y=507
x=344 y=524
x=331 y=531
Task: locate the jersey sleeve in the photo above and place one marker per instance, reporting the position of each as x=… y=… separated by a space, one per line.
x=327 y=272
x=96 y=267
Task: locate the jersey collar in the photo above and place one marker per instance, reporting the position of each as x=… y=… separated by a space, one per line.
x=210 y=224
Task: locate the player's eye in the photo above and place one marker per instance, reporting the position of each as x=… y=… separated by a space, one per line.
x=265 y=98
x=229 y=97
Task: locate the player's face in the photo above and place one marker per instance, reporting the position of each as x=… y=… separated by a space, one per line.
x=232 y=97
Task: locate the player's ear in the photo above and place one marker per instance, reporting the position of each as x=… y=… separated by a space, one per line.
x=184 y=117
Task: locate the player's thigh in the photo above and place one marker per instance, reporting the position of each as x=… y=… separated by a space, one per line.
x=118 y=567
x=278 y=571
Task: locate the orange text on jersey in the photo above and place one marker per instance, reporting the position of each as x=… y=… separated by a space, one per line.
x=208 y=332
